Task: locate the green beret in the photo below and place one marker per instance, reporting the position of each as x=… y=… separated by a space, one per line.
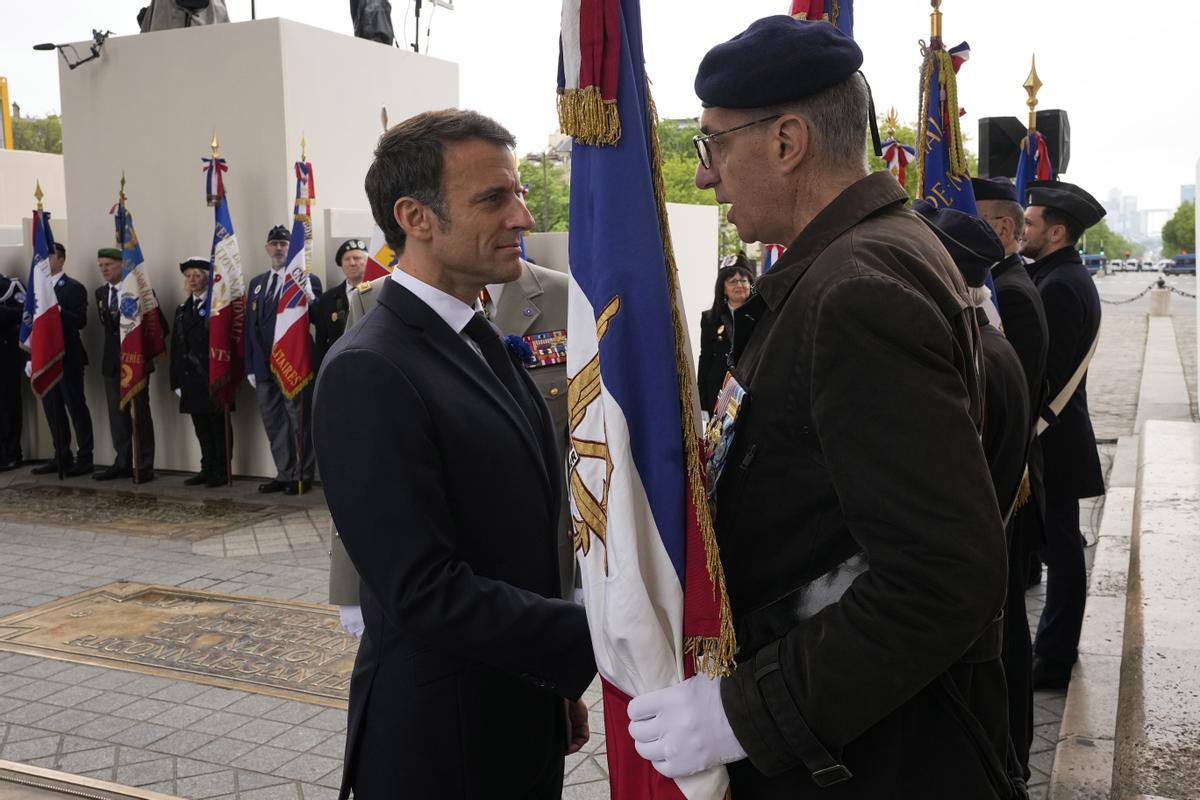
x=109 y=252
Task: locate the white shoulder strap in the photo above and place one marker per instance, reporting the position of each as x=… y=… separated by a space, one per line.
x=1060 y=402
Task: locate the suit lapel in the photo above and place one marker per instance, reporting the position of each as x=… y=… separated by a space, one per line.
x=519 y=307
x=450 y=348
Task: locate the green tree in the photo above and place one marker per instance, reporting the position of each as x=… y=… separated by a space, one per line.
x=1101 y=237
x=679 y=178
x=40 y=134
x=549 y=198
x=1179 y=234
x=905 y=134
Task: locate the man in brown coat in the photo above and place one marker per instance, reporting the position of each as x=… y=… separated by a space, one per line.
x=859 y=532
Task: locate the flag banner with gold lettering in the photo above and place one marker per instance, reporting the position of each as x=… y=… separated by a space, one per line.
x=142 y=335
x=291 y=354
x=652 y=580
x=226 y=304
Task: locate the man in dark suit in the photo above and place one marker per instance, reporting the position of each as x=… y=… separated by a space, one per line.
x=189 y=375
x=287 y=422
x=1057 y=215
x=120 y=420
x=66 y=401
x=331 y=311
x=12 y=365
x=443 y=478
x=1024 y=320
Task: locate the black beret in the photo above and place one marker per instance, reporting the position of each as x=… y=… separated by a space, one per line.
x=195 y=262
x=971 y=242
x=994 y=189
x=347 y=246
x=279 y=234
x=1068 y=198
x=776 y=60
x=109 y=252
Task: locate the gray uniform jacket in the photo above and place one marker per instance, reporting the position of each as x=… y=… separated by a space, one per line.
x=536 y=302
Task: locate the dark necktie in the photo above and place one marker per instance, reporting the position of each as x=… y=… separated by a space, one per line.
x=271 y=288
x=484 y=334
x=112 y=301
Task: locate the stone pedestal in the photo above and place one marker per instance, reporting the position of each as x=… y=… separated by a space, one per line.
x=1160 y=303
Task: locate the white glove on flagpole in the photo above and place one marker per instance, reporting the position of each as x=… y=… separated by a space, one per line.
x=250 y=377
x=352 y=620
x=28 y=369
x=179 y=393
x=682 y=730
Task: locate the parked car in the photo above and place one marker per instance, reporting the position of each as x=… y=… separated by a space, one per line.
x=1131 y=264
x=1147 y=266
x=1182 y=265
x=1093 y=263
x=1163 y=263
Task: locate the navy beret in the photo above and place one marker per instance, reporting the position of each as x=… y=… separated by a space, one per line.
x=971 y=242
x=1068 y=198
x=279 y=234
x=776 y=60
x=195 y=262
x=994 y=189
x=348 y=245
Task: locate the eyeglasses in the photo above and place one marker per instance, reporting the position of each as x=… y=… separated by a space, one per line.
x=737 y=281
x=701 y=140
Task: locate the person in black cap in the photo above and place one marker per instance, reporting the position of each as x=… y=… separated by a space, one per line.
x=1057 y=215
x=189 y=375
x=735 y=280
x=332 y=310
x=281 y=417
x=1024 y=319
x=120 y=420
x=65 y=405
x=859 y=533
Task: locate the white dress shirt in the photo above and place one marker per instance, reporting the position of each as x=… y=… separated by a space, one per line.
x=450 y=309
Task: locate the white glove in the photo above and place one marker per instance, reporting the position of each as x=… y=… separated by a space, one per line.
x=28 y=369
x=179 y=392
x=253 y=381
x=352 y=620
x=682 y=730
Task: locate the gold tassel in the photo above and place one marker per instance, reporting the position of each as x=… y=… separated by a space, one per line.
x=713 y=655
x=587 y=116
x=1023 y=493
x=931 y=95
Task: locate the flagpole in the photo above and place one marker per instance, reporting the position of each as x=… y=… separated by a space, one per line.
x=135 y=440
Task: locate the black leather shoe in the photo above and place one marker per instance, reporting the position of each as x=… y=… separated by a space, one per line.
x=49 y=468
x=216 y=481
x=112 y=473
x=13 y=463
x=80 y=468
x=272 y=486
x=1050 y=675
x=196 y=480
x=295 y=488
x=144 y=476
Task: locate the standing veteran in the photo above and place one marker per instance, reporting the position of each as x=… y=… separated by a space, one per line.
x=858 y=529
x=189 y=375
x=332 y=310
x=287 y=422
x=446 y=490
x=1057 y=215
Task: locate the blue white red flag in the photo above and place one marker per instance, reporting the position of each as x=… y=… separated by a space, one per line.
x=142 y=336
x=226 y=304
x=41 y=331
x=291 y=353
x=771 y=254
x=652 y=579
x=839 y=12
x=1033 y=164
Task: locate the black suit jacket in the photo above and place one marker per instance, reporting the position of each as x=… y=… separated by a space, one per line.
x=1006 y=414
x=72 y=306
x=1073 y=318
x=716 y=334
x=189 y=360
x=329 y=318
x=110 y=361
x=447 y=502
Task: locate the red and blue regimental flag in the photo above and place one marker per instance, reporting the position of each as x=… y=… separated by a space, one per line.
x=291 y=354
x=1033 y=164
x=226 y=304
x=41 y=331
x=839 y=12
x=652 y=580
x=142 y=336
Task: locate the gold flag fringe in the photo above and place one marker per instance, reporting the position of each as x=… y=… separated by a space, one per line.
x=932 y=94
x=587 y=116
x=712 y=655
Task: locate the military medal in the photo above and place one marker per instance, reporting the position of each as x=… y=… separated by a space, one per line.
x=549 y=348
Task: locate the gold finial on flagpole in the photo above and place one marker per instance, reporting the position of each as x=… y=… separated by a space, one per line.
x=383 y=118
x=1032 y=84
x=935 y=20
x=891 y=122
x=303 y=147
x=121 y=194
x=215 y=145
x=39 y=194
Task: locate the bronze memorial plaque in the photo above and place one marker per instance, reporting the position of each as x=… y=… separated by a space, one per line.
x=130 y=513
x=25 y=782
x=283 y=648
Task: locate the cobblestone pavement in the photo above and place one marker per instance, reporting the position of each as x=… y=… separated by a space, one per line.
x=197 y=741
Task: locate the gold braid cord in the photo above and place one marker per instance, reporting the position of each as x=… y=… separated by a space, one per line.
x=587 y=116
x=931 y=95
x=712 y=655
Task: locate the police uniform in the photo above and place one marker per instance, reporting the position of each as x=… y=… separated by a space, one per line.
x=284 y=420
x=120 y=420
x=12 y=366
x=189 y=379
x=1072 y=463
x=861 y=541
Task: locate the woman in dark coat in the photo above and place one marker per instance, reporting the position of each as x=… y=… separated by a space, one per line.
x=734 y=283
x=189 y=375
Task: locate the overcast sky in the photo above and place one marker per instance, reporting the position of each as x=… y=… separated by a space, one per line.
x=1127 y=79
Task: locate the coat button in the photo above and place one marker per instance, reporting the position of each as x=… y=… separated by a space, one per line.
x=554 y=391
x=527 y=311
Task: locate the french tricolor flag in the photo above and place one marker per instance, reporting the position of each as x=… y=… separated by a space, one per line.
x=652 y=581
x=291 y=354
x=41 y=330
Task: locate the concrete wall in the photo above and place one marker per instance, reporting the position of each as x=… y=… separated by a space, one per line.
x=149 y=108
